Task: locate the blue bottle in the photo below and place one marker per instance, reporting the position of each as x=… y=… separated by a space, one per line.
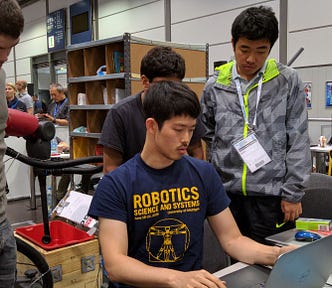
x=54 y=147
x=49 y=201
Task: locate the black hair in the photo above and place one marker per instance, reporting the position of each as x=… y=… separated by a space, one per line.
x=162 y=61
x=256 y=23
x=11 y=20
x=166 y=99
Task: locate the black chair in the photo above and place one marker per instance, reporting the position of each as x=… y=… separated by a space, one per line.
x=214 y=257
x=317 y=201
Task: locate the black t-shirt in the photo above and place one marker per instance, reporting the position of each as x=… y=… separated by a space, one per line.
x=59 y=110
x=124 y=127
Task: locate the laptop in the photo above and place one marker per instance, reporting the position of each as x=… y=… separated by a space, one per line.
x=308 y=266
x=285 y=238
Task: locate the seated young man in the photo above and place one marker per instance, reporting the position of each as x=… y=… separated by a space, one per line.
x=151 y=209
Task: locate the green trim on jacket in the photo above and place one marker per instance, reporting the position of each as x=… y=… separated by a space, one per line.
x=225 y=78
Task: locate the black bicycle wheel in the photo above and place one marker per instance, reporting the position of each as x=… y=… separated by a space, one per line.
x=32 y=269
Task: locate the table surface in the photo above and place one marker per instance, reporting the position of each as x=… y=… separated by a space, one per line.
x=61 y=155
x=230 y=269
x=317 y=148
x=239 y=265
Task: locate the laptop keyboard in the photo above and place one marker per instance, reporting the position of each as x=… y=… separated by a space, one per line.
x=253 y=276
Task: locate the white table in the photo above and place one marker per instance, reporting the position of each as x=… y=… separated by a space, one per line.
x=230 y=269
x=57 y=157
x=319 y=156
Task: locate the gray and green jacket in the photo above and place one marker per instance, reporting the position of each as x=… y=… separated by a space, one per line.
x=282 y=130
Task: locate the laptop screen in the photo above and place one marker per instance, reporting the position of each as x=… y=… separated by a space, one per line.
x=305 y=267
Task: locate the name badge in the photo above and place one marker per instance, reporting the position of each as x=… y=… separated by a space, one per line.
x=252 y=152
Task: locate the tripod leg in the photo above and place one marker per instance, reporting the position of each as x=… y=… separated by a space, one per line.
x=42 y=184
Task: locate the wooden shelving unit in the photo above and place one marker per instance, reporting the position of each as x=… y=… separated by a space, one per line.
x=85 y=59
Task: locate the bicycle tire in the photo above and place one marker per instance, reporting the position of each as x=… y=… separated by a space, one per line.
x=36 y=260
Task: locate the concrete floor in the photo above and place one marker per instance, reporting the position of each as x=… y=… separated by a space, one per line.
x=18 y=211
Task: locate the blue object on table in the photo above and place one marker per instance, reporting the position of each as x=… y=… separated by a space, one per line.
x=306 y=236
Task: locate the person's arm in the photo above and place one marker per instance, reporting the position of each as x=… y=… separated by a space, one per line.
x=56 y=121
x=292 y=211
x=30 y=110
x=207 y=117
x=29 y=104
x=111 y=159
x=124 y=269
x=240 y=247
x=196 y=150
x=62 y=146
x=298 y=157
x=60 y=122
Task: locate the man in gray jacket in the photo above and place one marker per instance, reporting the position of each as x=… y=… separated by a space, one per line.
x=11 y=26
x=257 y=134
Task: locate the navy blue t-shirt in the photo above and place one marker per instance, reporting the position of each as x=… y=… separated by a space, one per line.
x=164 y=209
x=17 y=104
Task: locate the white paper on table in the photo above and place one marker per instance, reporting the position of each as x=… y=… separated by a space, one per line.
x=74 y=207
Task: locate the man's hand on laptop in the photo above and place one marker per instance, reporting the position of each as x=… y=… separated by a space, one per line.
x=287 y=248
x=198 y=278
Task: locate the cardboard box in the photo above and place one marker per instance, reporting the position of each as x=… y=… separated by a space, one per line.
x=74 y=266
x=314 y=224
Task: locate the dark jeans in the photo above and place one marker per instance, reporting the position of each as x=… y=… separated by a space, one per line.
x=7 y=255
x=64 y=184
x=258 y=216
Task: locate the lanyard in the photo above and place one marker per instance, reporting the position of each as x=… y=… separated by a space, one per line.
x=58 y=107
x=239 y=94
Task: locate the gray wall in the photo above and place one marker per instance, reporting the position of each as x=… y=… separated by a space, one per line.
x=308 y=25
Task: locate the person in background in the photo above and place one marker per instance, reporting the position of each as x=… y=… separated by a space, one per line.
x=58 y=113
x=151 y=209
x=58 y=109
x=11 y=27
x=12 y=101
x=38 y=105
x=123 y=132
x=64 y=182
x=24 y=96
x=255 y=115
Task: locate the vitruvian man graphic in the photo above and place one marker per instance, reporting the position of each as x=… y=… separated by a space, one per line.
x=167 y=240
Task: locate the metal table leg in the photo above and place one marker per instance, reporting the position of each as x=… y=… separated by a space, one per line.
x=33 y=205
